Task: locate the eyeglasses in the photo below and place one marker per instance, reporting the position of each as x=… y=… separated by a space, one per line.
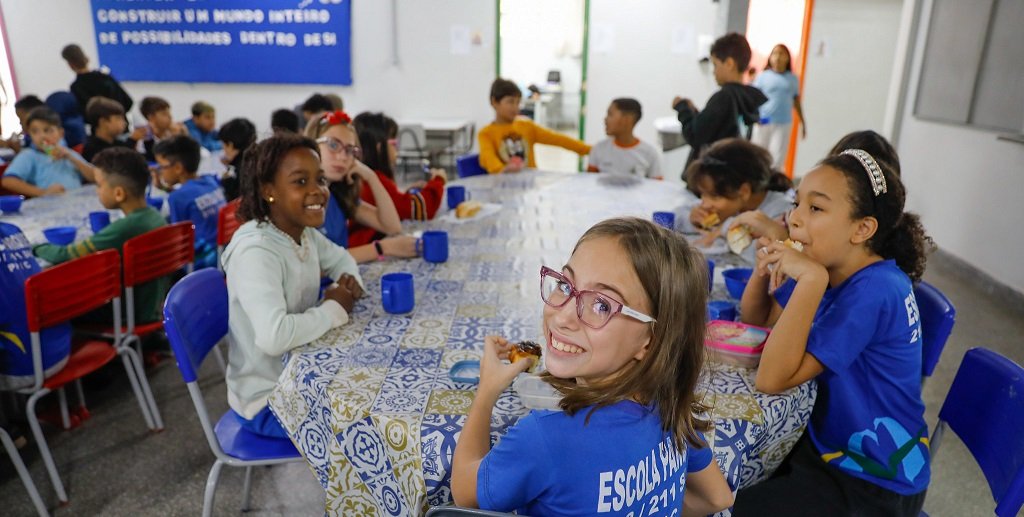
x=335 y=146
x=593 y=309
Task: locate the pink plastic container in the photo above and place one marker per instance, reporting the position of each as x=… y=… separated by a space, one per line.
x=735 y=343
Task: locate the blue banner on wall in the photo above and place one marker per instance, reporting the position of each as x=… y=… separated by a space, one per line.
x=226 y=41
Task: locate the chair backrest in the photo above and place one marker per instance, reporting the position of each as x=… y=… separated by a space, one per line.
x=158 y=253
x=985 y=408
x=227 y=222
x=71 y=289
x=196 y=318
x=937 y=318
x=469 y=165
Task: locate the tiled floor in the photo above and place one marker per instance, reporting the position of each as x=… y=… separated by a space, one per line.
x=112 y=466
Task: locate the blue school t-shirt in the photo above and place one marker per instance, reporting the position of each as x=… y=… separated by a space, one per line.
x=198 y=200
x=868 y=418
x=16 y=265
x=335 y=226
x=38 y=168
x=621 y=462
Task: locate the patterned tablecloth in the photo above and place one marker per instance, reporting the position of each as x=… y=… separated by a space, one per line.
x=70 y=209
x=371 y=405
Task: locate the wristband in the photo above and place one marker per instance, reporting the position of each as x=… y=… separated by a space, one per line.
x=380 y=250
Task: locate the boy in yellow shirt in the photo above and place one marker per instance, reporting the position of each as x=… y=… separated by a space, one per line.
x=506 y=145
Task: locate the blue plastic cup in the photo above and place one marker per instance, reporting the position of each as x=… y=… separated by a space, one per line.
x=721 y=310
x=396 y=292
x=434 y=246
x=665 y=219
x=456 y=194
x=98 y=220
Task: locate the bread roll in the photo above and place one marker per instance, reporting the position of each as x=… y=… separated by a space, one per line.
x=793 y=244
x=710 y=221
x=524 y=350
x=739 y=238
x=467 y=209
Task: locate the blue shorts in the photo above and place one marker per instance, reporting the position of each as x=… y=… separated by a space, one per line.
x=263 y=424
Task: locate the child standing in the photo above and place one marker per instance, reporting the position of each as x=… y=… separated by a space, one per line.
x=782 y=88
x=624 y=326
x=92 y=83
x=198 y=199
x=339 y=146
x=106 y=117
x=624 y=153
x=121 y=179
x=735 y=180
x=236 y=135
x=273 y=264
x=48 y=166
x=734 y=104
x=506 y=145
x=852 y=323
x=203 y=126
x=157 y=112
x=378 y=135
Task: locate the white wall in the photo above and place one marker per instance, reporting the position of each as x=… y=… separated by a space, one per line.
x=641 y=63
x=965 y=184
x=429 y=81
x=849 y=66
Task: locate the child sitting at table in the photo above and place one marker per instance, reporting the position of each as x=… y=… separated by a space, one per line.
x=852 y=323
x=199 y=198
x=377 y=139
x=236 y=135
x=627 y=376
x=273 y=264
x=157 y=112
x=624 y=153
x=106 y=117
x=47 y=166
x=203 y=126
x=506 y=145
x=339 y=147
x=733 y=177
x=121 y=179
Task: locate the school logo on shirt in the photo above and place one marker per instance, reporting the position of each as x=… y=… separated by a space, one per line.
x=913 y=316
x=908 y=454
x=627 y=487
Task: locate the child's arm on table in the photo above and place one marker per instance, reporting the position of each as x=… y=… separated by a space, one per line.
x=785 y=361
x=383 y=217
x=474 y=441
x=20 y=186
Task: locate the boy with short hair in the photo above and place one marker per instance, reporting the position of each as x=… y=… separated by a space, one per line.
x=94 y=83
x=284 y=120
x=506 y=145
x=316 y=105
x=157 y=112
x=48 y=166
x=624 y=153
x=106 y=116
x=198 y=199
x=22 y=108
x=203 y=126
x=735 y=102
x=121 y=179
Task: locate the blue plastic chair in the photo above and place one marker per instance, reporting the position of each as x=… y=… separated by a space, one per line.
x=469 y=165
x=65 y=104
x=196 y=319
x=985 y=408
x=937 y=318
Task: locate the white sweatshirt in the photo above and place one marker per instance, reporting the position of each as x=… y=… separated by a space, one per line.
x=272 y=296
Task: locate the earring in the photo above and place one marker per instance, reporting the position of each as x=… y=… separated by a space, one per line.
x=270 y=199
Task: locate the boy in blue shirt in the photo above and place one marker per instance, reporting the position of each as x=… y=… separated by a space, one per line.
x=203 y=126
x=48 y=166
x=198 y=199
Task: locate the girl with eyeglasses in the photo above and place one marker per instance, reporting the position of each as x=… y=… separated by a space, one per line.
x=623 y=329
x=340 y=156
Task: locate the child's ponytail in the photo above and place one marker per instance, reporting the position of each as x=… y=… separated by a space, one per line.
x=900 y=235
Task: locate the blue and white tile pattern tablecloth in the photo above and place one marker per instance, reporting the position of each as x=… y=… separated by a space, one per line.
x=371 y=405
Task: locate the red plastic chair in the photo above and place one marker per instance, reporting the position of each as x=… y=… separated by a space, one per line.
x=55 y=296
x=227 y=223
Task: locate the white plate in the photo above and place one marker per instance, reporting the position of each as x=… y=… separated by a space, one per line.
x=485 y=210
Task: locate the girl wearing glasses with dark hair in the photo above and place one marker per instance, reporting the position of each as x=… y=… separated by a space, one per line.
x=623 y=329
x=340 y=156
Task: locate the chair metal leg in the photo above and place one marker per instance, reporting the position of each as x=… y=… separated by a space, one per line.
x=129 y=367
x=246 y=489
x=65 y=418
x=211 y=488
x=44 y=449
x=220 y=359
x=144 y=382
x=81 y=392
x=26 y=479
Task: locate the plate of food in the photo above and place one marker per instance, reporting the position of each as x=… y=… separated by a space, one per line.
x=470 y=210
